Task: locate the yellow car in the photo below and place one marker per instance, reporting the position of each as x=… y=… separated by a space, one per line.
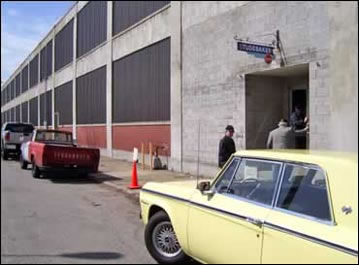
x=263 y=207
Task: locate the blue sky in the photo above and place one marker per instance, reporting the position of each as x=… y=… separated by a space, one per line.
x=23 y=25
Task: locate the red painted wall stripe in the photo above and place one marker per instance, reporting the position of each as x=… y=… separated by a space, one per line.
x=92 y=136
x=127 y=137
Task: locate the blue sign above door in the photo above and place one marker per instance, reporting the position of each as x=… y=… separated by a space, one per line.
x=254 y=48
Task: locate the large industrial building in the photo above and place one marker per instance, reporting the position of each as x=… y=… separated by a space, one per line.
x=122 y=73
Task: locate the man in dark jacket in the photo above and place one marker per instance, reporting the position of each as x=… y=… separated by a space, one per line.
x=226 y=146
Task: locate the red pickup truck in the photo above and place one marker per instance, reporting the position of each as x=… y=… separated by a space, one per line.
x=52 y=151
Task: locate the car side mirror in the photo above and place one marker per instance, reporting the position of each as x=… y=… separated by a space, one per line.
x=205 y=188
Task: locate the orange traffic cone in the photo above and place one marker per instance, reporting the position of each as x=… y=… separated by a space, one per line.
x=134 y=184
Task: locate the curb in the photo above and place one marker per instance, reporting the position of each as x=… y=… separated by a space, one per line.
x=122 y=189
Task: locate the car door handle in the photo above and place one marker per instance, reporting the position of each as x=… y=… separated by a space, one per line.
x=255 y=222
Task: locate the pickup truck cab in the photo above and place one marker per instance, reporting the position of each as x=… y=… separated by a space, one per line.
x=12 y=135
x=52 y=151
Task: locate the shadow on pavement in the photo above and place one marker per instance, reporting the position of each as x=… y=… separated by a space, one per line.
x=81 y=255
x=75 y=179
x=93 y=255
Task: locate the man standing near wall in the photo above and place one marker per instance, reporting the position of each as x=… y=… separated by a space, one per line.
x=284 y=136
x=226 y=146
x=299 y=122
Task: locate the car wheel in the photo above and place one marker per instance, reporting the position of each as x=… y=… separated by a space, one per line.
x=161 y=240
x=23 y=163
x=35 y=171
x=5 y=155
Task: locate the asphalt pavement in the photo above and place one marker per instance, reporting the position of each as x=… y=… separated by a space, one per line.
x=67 y=220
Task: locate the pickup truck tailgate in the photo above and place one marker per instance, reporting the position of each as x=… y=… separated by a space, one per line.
x=71 y=156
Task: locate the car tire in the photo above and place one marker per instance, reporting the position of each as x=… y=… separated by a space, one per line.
x=5 y=155
x=152 y=230
x=35 y=171
x=23 y=163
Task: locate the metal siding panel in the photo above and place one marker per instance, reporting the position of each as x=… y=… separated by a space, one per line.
x=25 y=79
x=18 y=79
x=49 y=107
x=42 y=109
x=63 y=103
x=18 y=109
x=24 y=110
x=141 y=85
x=34 y=111
x=64 y=46
x=91 y=27
x=91 y=95
x=128 y=13
x=11 y=91
x=12 y=114
x=34 y=71
x=49 y=58
x=42 y=63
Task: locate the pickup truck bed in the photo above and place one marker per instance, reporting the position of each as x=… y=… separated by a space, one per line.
x=63 y=158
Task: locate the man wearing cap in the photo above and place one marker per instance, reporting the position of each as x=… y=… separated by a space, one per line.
x=226 y=146
x=284 y=136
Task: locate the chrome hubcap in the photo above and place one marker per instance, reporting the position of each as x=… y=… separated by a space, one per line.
x=165 y=240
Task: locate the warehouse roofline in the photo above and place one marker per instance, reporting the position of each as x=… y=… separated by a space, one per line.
x=41 y=42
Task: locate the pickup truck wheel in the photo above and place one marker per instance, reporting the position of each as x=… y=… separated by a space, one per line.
x=161 y=240
x=23 y=163
x=4 y=155
x=35 y=171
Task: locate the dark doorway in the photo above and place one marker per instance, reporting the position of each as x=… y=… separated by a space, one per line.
x=299 y=98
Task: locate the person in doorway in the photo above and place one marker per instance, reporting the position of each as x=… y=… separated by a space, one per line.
x=284 y=136
x=226 y=146
x=299 y=122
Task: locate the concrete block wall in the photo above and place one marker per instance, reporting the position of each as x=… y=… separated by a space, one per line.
x=214 y=71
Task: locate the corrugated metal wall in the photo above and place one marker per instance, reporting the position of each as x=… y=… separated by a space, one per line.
x=12 y=114
x=49 y=58
x=46 y=108
x=91 y=26
x=63 y=103
x=91 y=97
x=24 y=111
x=46 y=61
x=25 y=79
x=17 y=85
x=18 y=116
x=12 y=88
x=142 y=85
x=128 y=13
x=34 y=71
x=64 y=46
x=43 y=63
x=34 y=111
x=8 y=94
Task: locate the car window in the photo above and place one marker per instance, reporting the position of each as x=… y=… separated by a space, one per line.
x=225 y=179
x=304 y=191
x=54 y=137
x=256 y=180
x=19 y=128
